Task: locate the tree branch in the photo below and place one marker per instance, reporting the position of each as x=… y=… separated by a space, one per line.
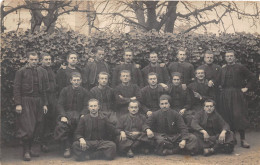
x=196 y=11
x=207 y=22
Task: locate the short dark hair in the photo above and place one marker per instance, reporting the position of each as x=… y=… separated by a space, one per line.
x=103 y=73
x=44 y=54
x=210 y=100
x=151 y=74
x=165 y=97
x=199 y=69
x=230 y=51
x=134 y=101
x=75 y=74
x=70 y=53
x=125 y=71
x=31 y=53
x=176 y=74
x=92 y=100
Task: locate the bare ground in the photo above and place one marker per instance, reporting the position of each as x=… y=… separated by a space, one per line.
x=12 y=156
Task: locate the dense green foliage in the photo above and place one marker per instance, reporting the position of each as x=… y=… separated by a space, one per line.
x=15 y=45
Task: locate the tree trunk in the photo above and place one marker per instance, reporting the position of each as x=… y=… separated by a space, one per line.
x=151 y=14
x=37 y=16
x=139 y=12
x=170 y=20
x=50 y=19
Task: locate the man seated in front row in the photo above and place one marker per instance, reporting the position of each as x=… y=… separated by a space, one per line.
x=92 y=135
x=168 y=129
x=72 y=105
x=212 y=131
x=132 y=138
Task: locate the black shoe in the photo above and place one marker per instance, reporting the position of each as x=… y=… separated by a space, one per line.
x=44 y=148
x=130 y=154
x=208 y=151
x=67 y=153
x=244 y=144
x=27 y=156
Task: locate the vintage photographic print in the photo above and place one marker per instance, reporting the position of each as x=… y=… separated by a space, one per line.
x=130 y=82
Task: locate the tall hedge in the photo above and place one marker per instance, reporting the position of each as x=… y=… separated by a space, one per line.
x=15 y=45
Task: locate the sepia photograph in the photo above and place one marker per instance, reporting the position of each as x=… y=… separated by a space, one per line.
x=120 y=82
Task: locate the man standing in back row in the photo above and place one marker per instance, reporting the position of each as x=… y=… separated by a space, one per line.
x=186 y=69
x=49 y=120
x=30 y=85
x=211 y=72
x=155 y=67
x=233 y=106
x=135 y=72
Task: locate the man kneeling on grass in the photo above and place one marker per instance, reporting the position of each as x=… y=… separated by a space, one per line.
x=132 y=138
x=212 y=131
x=92 y=135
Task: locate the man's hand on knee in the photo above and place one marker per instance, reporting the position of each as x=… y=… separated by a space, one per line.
x=18 y=109
x=83 y=144
x=64 y=119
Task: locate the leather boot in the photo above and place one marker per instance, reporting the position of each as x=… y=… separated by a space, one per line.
x=26 y=151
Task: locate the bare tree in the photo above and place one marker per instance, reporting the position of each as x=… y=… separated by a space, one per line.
x=44 y=12
x=163 y=15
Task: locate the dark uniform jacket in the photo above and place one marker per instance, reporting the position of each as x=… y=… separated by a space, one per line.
x=127 y=123
x=150 y=98
x=107 y=100
x=162 y=73
x=52 y=88
x=23 y=84
x=136 y=74
x=203 y=89
x=131 y=90
x=93 y=71
x=179 y=98
x=73 y=100
x=104 y=130
x=64 y=75
x=185 y=68
x=212 y=123
x=176 y=125
x=239 y=74
x=211 y=71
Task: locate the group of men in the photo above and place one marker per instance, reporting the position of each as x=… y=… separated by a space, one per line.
x=160 y=109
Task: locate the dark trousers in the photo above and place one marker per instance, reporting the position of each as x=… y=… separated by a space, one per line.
x=64 y=131
x=29 y=121
x=49 y=120
x=97 y=149
x=135 y=143
x=226 y=147
x=171 y=142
